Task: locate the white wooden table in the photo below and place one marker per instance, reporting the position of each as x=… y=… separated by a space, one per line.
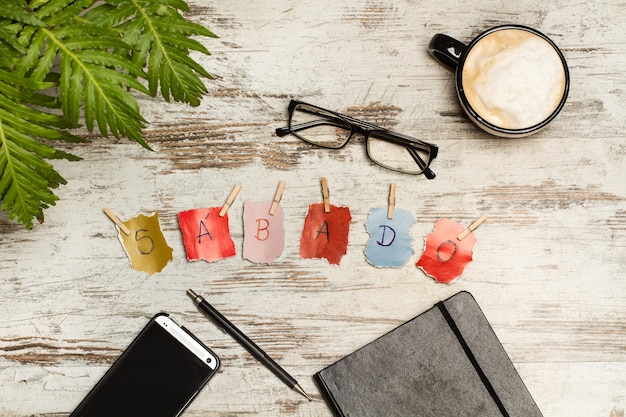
x=549 y=266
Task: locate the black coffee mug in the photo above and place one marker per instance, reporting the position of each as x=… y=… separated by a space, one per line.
x=511 y=80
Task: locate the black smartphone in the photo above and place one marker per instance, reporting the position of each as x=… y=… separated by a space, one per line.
x=158 y=375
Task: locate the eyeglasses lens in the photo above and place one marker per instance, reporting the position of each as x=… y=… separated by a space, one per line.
x=319 y=127
x=386 y=153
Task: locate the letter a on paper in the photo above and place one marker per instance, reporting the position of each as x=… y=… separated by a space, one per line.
x=206 y=235
x=325 y=235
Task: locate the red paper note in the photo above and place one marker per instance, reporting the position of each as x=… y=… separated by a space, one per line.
x=325 y=235
x=445 y=257
x=206 y=235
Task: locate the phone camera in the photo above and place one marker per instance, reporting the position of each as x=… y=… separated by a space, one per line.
x=209 y=360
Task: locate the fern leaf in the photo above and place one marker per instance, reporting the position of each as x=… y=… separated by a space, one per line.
x=108 y=15
x=16 y=13
x=49 y=8
x=34 y=58
x=26 y=179
x=25 y=193
x=85 y=58
x=70 y=10
x=12 y=80
x=85 y=66
x=7 y=37
x=159 y=40
x=7 y=54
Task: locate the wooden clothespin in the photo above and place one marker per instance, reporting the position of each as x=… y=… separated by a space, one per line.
x=325 y=195
x=392 y=201
x=117 y=221
x=277 y=197
x=472 y=227
x=230 y=200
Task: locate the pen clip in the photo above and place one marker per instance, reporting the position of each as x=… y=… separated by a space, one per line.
x=217 y=325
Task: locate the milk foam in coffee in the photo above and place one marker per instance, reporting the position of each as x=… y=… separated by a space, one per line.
x=513 y=78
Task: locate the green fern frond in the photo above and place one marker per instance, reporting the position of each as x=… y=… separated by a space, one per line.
x=25 y=190
x=160 y=40
x=14 y=12
x=92 y=77
x=7 y=38
x=6 y=55
x=48 y=9
x=27 y=179
x=66 y=62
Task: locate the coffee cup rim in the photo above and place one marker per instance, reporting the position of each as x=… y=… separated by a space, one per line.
x=490 y=126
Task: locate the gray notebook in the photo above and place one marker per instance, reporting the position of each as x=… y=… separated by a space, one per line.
x=445 y=362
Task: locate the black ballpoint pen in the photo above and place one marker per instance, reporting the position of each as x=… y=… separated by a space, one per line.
x=244 y=341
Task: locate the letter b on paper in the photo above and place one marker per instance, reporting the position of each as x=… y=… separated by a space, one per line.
x=264 y=234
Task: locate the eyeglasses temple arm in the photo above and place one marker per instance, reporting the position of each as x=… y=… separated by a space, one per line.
x=428 y=173
x=284 y=131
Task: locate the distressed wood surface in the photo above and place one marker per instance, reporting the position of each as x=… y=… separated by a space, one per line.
x=549 y=266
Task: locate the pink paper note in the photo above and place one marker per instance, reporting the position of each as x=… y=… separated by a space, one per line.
x=325 y=235
x=206 y=235
x=264 y=234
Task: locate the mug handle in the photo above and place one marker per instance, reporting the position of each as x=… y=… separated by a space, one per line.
x=446 y=50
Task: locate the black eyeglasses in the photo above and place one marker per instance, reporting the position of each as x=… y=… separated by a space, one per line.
x=333 y=130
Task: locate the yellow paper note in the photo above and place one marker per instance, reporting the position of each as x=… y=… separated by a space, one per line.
x=145 y=245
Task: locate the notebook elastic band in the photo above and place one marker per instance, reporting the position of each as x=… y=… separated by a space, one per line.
x=472 y=358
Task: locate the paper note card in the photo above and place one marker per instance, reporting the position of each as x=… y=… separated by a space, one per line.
x=206 y=235
x=264 y=234
x=445 y=257
x=390 y=243
x=145 y=245
x=325 y=235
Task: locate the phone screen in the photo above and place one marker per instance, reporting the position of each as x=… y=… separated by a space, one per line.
x=157 y=375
